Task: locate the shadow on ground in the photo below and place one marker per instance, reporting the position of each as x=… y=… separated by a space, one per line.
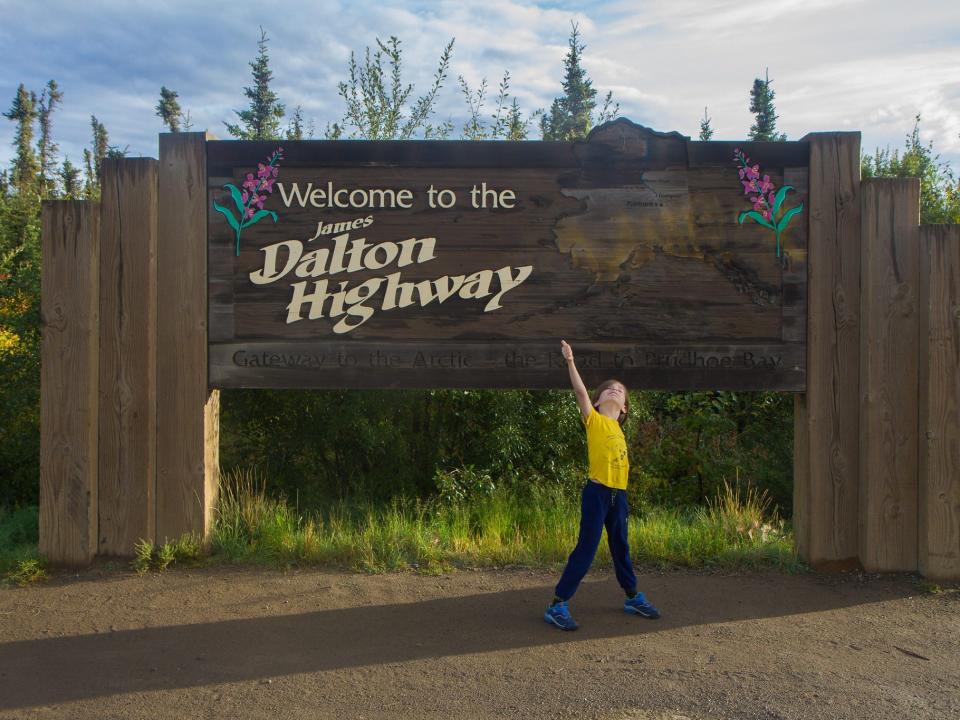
x=55 y=670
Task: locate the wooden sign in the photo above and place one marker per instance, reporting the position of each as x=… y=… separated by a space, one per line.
x=665 y=263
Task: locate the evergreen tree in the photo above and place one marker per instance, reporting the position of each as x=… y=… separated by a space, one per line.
x=23 y=112
x=101 y=143
x=262 y=120
x=761 y=105
x=516 y=124
x=70 y=180
x=571 y=116
x=88 y=173
x=93 y=157
x=706 y=131
x=46 y=147
x=168 y=109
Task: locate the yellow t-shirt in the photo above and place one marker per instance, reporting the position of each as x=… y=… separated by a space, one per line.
x=606 y=450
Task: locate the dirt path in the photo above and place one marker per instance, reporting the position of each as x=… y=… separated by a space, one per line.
x=253 y=643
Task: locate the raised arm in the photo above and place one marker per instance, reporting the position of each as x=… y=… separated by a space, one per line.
x=579 y=389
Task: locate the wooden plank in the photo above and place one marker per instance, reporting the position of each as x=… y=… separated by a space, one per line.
x=889 y=288
x=939 y=491
x=828 y=419
x=720 y=152
x=70 y=238
x=187 y=427
x=375 y=364
x=127 y=399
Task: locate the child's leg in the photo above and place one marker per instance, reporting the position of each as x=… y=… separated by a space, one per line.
x=616 y=523
x=594 y=501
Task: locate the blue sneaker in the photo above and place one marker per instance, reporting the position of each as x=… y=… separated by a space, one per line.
x=638 y=605
x=560 y=616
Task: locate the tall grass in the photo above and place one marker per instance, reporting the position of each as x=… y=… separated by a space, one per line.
x=537 y=528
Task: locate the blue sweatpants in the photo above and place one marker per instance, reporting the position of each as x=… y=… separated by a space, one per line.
x=600 y=506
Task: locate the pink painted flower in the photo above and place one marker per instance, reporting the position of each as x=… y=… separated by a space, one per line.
x=759 y=189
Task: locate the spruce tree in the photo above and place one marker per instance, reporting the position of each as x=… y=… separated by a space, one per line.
x=88 y=190
x=94 y=156
x=761 y=105
x=100 y=144
x=168 y=109
x=706 y=131
x=571 y=116
x=261 y=121
x=23 y=112
x=70 y=180
x=46 y=147
x=516 y=124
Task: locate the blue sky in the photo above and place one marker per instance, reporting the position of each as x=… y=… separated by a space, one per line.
x=835 y=64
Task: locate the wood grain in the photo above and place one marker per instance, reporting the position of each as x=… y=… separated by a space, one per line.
x=939 y=491
x=890 y=258
x=187 y=422
x=127 y=399
x=69 y=310
x=632 y=236
x=827 y=424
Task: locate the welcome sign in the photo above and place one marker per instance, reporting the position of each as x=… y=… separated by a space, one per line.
x=664 y=262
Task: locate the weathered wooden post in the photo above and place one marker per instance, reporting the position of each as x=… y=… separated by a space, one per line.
x=69 y=309
x=889 y=312
x=827 y=423
x=128 y=336
x=188 y=414
x=939 y=434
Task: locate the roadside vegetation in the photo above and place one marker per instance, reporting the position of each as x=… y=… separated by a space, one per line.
x=503 y=528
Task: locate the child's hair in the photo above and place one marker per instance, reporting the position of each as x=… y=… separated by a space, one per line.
x=626 y=397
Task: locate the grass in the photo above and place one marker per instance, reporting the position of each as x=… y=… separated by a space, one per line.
x=737 y=530
x=20 y=561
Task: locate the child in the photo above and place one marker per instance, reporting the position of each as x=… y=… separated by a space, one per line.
x=603 y=502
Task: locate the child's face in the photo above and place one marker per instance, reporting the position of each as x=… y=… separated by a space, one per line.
x=616 y=393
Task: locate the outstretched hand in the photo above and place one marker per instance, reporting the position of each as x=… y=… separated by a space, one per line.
x=566 y=351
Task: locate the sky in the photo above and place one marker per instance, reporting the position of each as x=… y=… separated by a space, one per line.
x=867 y=65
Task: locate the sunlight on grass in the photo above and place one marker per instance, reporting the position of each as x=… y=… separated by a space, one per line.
x=735 y=530
x=539 y=528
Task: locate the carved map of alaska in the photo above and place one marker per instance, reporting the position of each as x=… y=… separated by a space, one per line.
x=623 y=228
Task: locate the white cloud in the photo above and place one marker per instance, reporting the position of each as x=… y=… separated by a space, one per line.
x=836 y=64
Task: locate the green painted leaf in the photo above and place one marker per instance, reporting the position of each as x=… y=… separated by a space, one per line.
x=779 y=198
x=228 y=215
x=237 y=197
x=258 y=216
x=782 y=224
x=756 y=217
